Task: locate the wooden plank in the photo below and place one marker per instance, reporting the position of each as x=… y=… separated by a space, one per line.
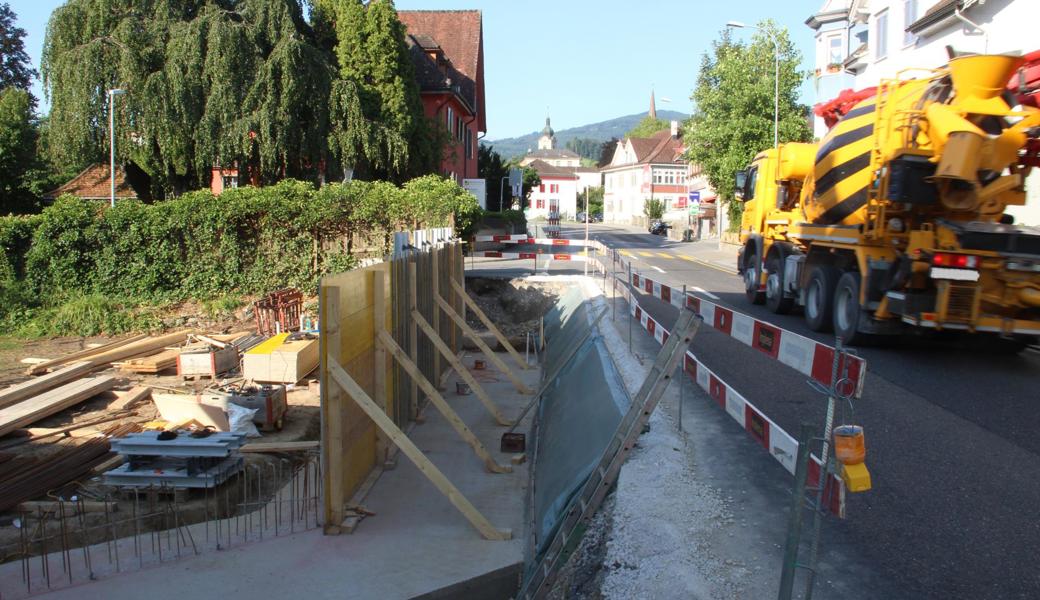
x=461 y=369
x=413 y=339
x=156 y=363
x=42 y=367
x=383 y=445
x=280 y=446
x=491 y=326
x=442 y=405
x=66 y=508
x=34 y=387
x=436 y=477
x=148 y=345
x=332 y=402
x=53 y=401
x=130 y=398
x=288 y=362
x=466 y=329
x=436 y=289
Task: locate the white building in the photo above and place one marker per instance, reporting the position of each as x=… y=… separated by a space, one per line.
x=643 y=169
x=557 y=193
x=562 y=175
x=861 y=42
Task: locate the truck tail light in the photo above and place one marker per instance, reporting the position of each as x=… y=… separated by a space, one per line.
x=956 y=261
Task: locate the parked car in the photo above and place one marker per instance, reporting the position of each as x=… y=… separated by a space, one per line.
x=596 y=217
x=659 y=228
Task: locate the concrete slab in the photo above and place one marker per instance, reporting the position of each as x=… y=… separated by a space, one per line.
x=417 y=543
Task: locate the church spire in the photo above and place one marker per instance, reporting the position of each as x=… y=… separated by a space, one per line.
x=653 y=105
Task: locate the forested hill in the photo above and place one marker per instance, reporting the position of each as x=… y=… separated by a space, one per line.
x=598 y=132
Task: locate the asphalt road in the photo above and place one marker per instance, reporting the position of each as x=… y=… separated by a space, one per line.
x=952 y=436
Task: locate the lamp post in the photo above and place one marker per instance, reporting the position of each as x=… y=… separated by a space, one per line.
x=776 y=76
x=112 y=142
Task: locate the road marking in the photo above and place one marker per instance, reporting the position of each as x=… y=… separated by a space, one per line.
x=704 y=291
x=656 y=268
x=642 y=253
x=663 y=255
x=625 y=253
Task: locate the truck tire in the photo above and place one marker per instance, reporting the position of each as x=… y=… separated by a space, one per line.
x=775 y=299
x=752 y=275
x=819 y=297
x=847 y=309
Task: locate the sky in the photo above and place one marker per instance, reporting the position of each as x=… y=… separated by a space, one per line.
x=583 y=61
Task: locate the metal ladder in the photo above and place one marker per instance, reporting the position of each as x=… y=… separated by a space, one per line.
x=584 y=505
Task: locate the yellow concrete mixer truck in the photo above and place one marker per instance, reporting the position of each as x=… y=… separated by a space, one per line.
x=896 y=219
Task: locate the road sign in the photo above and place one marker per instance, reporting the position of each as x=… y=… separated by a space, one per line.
x=695 y=196
x=516 y=182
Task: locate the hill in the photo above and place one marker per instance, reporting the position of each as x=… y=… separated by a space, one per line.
x=602 y=131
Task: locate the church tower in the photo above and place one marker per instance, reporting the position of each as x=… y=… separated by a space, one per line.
x=653 y=106
x=548 y=139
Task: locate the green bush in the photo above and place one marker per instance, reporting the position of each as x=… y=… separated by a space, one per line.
x=69 y=262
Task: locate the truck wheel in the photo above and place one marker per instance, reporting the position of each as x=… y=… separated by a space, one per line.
x=752 y=275
x=819 y=297
x=775 y=299
x=847 y=309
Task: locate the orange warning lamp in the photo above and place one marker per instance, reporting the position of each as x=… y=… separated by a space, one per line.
x=850 y=450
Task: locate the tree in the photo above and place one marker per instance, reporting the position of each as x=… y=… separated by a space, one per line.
x=208 y=83
x=17 y=150
x=591 y=200
x=491 y=168
x=648 y=127
x=606 y=152
x=733 y=119
x=584 y=147
x=653 y=208
x=15 y=68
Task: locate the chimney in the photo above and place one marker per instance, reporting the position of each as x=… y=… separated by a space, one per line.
x=675 y=129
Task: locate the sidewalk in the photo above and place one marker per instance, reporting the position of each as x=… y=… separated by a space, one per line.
x=707 y=252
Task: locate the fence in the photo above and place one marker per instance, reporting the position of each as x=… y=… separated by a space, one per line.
x=370 y=335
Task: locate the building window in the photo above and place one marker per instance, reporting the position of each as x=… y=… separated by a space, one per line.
x=834 y=56
x=451 y=119
x=541 y=188
x=881 y=35
x=541 y=203
x=909 y=16
x=554 y=188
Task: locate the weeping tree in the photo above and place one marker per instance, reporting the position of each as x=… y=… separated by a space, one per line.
x=216 y=81
x=376 y=81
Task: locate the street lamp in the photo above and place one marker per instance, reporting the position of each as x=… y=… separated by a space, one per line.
x=112 y=142
x=776 y=76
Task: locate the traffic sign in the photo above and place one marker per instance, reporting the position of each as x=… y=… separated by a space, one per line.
x=695 y=196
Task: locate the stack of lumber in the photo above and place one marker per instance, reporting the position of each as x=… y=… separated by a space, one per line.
x=115 y=351
x=152 y=365
x=280 y=360
x=52 y=401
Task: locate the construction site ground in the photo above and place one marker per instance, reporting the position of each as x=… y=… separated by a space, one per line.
x=415 y=544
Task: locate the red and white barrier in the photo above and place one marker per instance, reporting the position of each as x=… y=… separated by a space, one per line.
x=525 y=239
x=516 y=237
x=803 y=354
x=527 y=255
x=781 y=445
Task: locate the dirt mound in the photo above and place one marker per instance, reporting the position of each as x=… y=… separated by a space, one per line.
x=514 y=305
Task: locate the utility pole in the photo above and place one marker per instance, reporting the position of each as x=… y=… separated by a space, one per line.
x=112 y=143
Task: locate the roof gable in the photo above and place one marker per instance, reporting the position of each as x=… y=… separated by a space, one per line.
x=460 y=34
x=93 y=183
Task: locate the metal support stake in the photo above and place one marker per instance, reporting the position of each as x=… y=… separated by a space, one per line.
x=682 y=378
x=825 y=460
x=631 y=298
x=794 y=521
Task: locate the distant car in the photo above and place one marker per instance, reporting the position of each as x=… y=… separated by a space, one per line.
x=596 y=217
x=659 y=228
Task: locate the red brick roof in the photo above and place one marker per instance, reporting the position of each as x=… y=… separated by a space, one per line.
x=93 y=184
x=460 y=34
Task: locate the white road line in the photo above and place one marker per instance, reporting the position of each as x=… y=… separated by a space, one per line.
x=656 y=268
x=704 y=291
